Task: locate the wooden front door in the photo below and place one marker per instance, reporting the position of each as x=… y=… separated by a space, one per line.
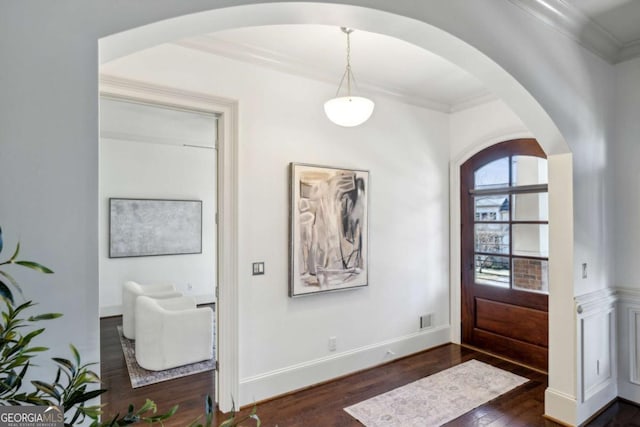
x=505 y=241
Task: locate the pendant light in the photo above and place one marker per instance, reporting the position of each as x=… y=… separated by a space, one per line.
x=348 y=110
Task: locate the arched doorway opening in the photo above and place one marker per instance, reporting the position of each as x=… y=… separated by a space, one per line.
x=409 y=29
x=505 y=251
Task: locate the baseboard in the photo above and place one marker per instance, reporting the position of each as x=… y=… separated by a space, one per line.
x=560 y=407
x=596 y=403
x=116 y=310
x=287 y=379
x=629 y=391
x=600 y=412
x=205 y=299
x=110 y=311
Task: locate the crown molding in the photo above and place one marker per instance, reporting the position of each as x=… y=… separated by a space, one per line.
x=574 y=24
x=474 y=101
x=629 y=51
x=290 y=65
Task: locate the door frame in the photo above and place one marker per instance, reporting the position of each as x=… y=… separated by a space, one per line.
x=455 y=256
x=562 y=319
x=227 y=321
x=535 y=354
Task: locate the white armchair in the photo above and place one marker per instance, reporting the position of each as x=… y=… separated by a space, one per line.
x=132 y=290
x=172 y=332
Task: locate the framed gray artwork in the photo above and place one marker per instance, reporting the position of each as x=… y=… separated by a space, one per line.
x=151 y=227
x=328 y=242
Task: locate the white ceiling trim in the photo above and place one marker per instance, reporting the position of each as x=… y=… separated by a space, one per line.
x=290 y=65
x=465 y=104
x=629 y=51
x=574 y=24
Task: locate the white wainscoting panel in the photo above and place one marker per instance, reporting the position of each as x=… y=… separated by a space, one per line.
x=597 y=376
x=634 y=342
x=629 y=345
x=597 y=352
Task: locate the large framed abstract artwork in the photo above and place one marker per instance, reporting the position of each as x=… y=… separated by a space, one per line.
x=150 y=227
x=329 y=231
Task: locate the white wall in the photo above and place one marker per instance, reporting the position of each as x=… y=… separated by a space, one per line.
x=479 y=127
x=131 y=169
x=626 y=213
x=405 y=149
x=626 y=152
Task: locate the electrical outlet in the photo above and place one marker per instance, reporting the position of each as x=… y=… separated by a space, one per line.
x=189 y=287
x=332 y=343
x=425 y=321
x=584 y=270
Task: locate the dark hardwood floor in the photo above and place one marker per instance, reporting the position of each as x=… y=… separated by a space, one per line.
x=322 y=405
x=187 y=392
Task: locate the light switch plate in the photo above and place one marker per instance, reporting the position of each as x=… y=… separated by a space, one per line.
x=258 y=268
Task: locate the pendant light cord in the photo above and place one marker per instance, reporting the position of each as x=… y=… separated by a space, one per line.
x=347 y=72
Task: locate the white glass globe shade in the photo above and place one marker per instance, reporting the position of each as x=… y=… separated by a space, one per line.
x=349 y=111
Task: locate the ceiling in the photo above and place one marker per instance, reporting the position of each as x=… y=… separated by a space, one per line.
x=404 y=71
x=609 y=28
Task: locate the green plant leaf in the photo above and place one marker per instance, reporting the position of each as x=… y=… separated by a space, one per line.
x=15 y=254
x=45 y=316
x=208 y=405
x=76 y=355
x=87 y=377
x=80 y=397
x=255 y=417
x=64 y=362
x=34 y=266
x=31 y=335
x=57 y=380
x=13 y=281
x=92 y=411
x=149 y=405
x=14 y=311
x=162 y=417
x=36 y=349
x=5 y=292
x=46 y=388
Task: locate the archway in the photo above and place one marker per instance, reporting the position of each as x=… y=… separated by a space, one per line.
x=411 y=30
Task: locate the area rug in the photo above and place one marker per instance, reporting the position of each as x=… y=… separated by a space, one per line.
x=436 y=399
x=140 y=377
